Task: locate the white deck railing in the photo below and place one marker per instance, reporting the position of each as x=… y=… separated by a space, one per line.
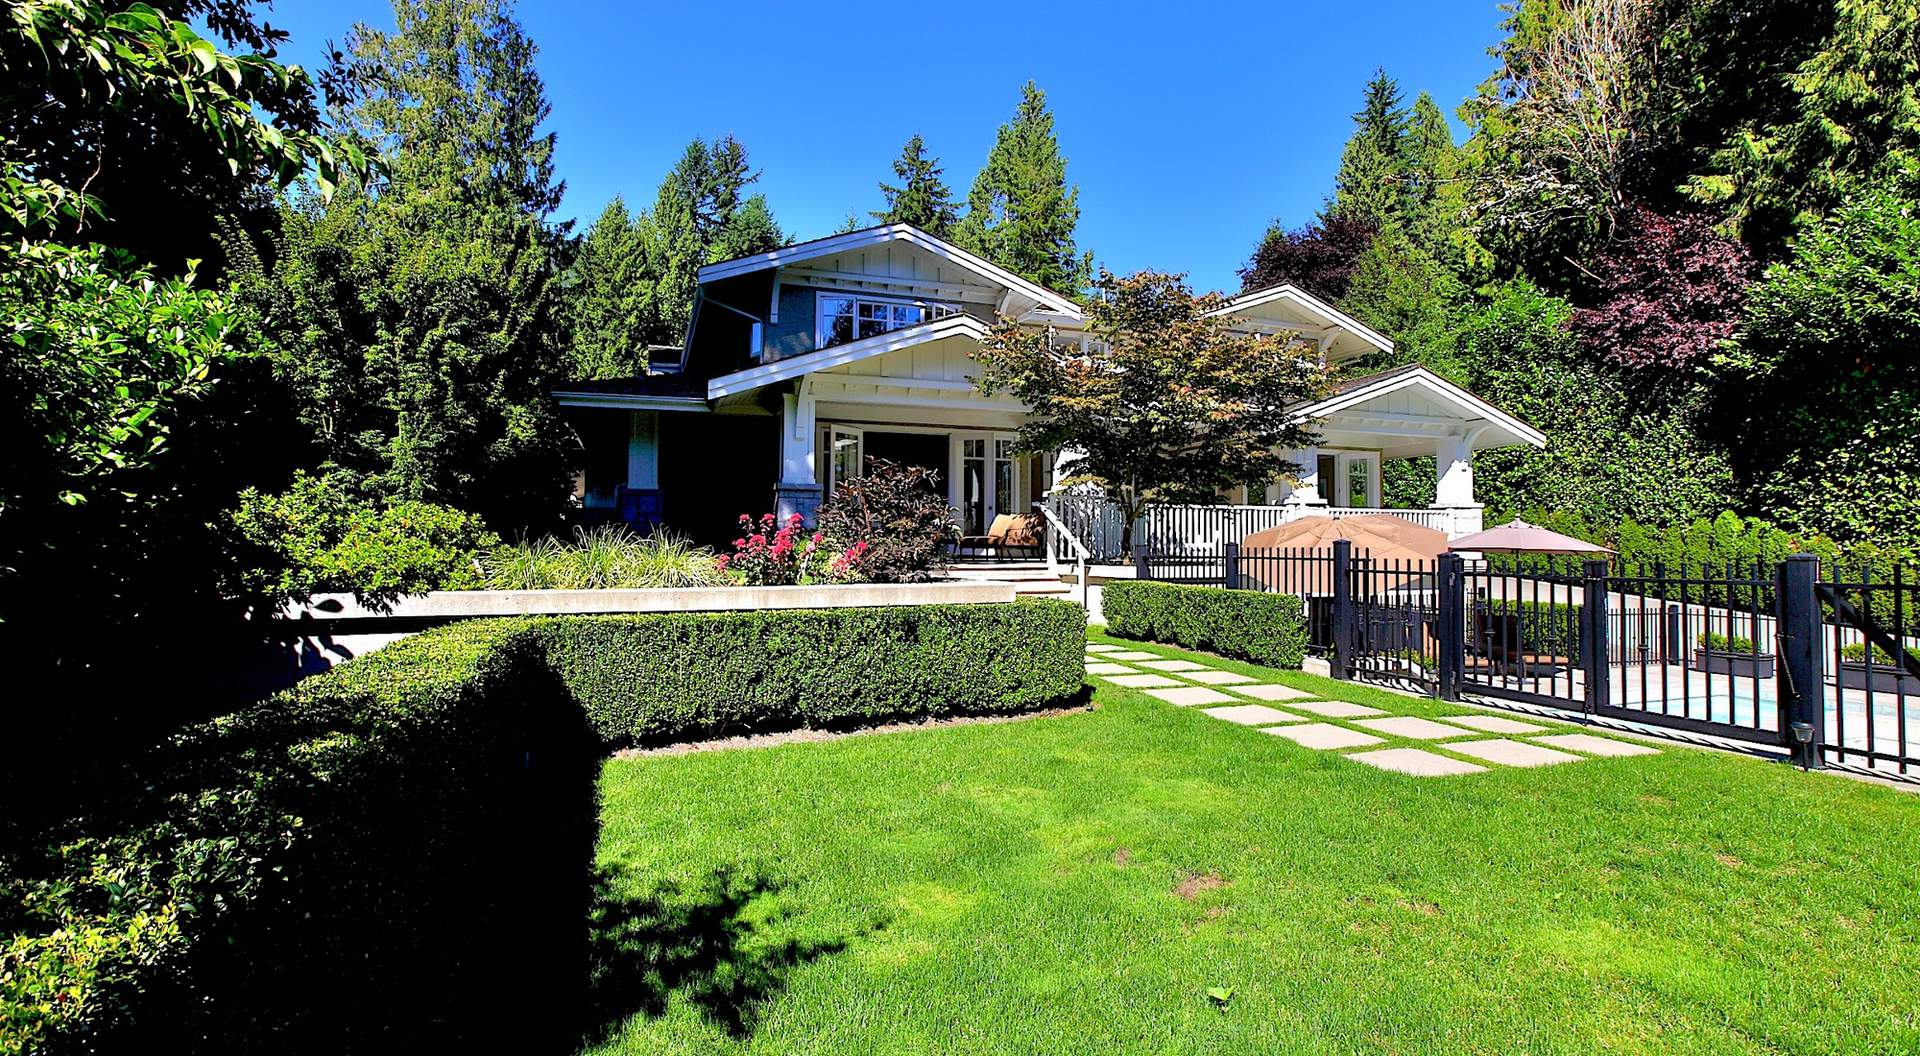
x=1098 y=524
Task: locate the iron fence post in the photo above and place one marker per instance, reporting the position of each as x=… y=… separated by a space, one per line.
x=1343 y=615
x=1593 y=636
x=1451 y=634
x=1140 y=569
x=1231 y=574
x=1798 y=680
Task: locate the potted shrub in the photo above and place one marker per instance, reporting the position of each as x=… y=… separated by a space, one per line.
x=1719 y=654
x=1861 y=670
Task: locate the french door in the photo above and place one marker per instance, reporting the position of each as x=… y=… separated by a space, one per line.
x=846 y=455
x=989 y=480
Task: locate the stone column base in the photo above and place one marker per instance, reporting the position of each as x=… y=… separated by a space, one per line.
x=803 y=499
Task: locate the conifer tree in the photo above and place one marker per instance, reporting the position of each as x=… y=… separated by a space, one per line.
x=1021 y=214
x=922 y=198
x=1369 y=185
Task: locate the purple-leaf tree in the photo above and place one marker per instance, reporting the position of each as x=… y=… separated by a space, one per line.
x=1666 y=293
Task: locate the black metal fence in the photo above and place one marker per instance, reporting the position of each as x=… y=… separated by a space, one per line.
x=1771 y=654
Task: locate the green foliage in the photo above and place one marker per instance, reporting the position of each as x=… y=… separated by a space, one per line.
x=1856 y=652
x=922 y=198
x=1021 y=213
x=1607 y=444
x=1250 y=625
x=155 y=122
x=1844 y=121
x=1828 y=388
x=607 y=311
x=900 y=516
x=605 y=558
x=1398 y=289
x=415 y=320
x=1369 y=185
x=94 y=357
x=319 y=537
x=674 y=676
x=1174 y=406
x=366 y=855
x=1720 y=643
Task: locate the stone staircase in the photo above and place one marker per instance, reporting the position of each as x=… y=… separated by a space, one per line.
x=1027 y=577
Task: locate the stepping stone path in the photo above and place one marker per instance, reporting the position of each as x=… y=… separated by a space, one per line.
x=1186 y=696
x=1582 y=742
x=1251 y=714
x=1416 y=761
x=1186 y=683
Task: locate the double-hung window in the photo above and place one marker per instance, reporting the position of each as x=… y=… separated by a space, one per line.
x=845 y=317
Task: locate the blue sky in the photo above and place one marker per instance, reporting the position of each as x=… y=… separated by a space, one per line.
x=1185 y=137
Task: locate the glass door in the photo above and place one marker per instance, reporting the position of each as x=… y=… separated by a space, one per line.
x=845 y=452
x=989 y=481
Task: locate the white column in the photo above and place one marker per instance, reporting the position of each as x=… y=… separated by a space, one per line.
x=798 y=490
x=643 y=450
x=1308 y=491
x=797 y=439
x=1453 y=484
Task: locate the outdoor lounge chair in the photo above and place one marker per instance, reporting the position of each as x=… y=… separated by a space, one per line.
x=1008 y=535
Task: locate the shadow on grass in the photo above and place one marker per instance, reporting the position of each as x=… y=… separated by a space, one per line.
x=717 y=942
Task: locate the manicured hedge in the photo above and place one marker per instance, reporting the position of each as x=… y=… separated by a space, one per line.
x=1255 y=626
x=663 y=677
x=397 y=854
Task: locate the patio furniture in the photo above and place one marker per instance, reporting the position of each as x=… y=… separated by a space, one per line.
x=1008 y=536
x=1497 y=641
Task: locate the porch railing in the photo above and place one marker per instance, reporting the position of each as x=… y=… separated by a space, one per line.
x=1100 y=524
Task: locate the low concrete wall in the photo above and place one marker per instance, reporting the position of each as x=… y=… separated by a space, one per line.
x=441 y=605
x=328 y=629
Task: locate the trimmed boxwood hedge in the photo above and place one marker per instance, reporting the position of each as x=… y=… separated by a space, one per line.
x=670 y=676
x=398 y=853
x=1250 y=625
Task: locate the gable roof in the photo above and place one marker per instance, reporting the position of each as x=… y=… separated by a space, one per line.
x=1303 y=303
x=883 y=234
x=843 y=354
x=1357 y=391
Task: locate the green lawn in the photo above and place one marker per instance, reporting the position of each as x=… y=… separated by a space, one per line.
x=1016 y=888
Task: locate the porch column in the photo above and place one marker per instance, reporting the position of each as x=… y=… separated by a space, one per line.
x=1453 y=484
x=798 y=490
x=640 y=505
x=1307 y=491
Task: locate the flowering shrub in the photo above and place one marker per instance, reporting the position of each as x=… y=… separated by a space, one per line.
x=898 y=517
x=770 y=556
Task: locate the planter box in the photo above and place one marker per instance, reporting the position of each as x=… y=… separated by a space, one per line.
x=1739 y=665
x=1881 y=678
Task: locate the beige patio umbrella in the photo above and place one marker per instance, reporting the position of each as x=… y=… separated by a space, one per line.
x=1386 y=539
x=1519 y=537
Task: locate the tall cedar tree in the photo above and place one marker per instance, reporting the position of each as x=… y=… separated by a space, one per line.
x=607 y=316
x=922 y=198
x=416 y=320
x=1021 y=214
x=1173 y=405
x=701 y=214
x=1370 y=184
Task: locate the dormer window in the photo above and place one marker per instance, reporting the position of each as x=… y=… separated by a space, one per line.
x=844 y=317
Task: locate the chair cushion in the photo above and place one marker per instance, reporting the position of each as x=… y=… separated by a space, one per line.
x=1002 y=524
x=1024 y=531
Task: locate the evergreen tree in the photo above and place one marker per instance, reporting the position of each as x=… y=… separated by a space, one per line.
x=1370 y=184
x=607 y=314
x=1021 y=214
x=417 y=319
x=701 y=214
x=1431 y=166
x=922 y=199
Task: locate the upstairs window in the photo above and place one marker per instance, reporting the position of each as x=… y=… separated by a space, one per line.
x=843 y=317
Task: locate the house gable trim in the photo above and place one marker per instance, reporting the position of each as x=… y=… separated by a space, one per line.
x=1473 y=407
x=874 y=236
x=841 y=355
x=1292 y=294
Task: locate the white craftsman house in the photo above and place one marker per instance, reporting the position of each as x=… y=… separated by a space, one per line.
x=801 y=363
